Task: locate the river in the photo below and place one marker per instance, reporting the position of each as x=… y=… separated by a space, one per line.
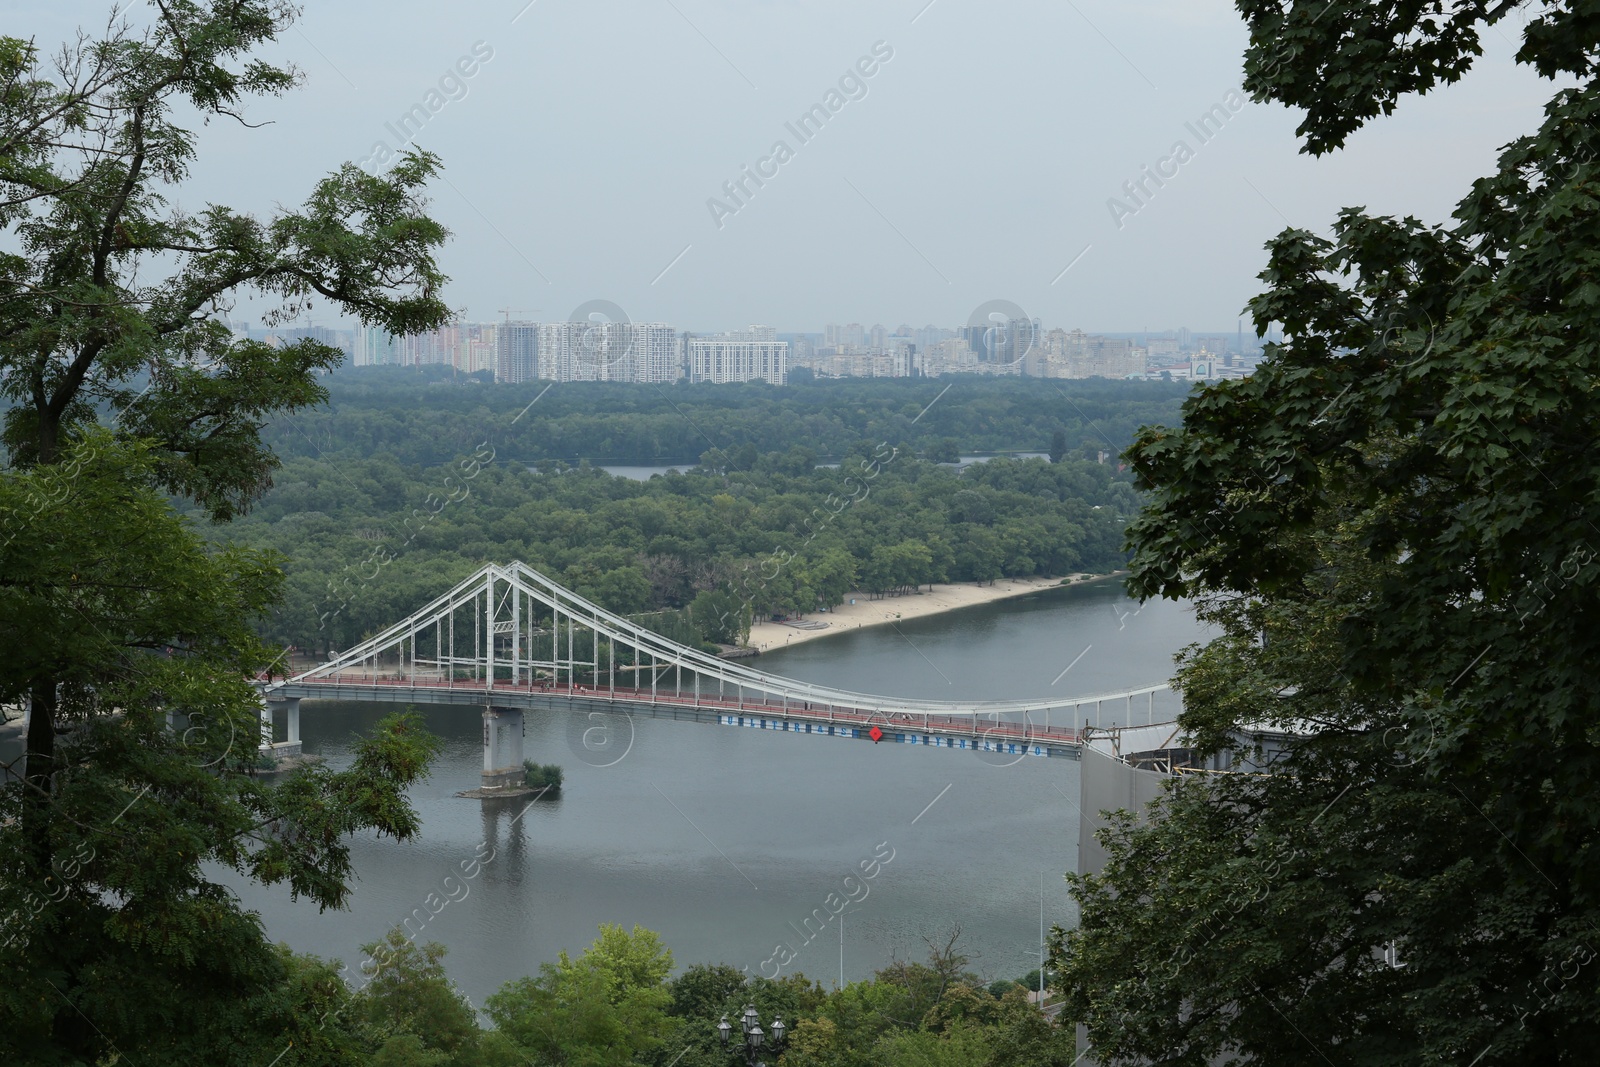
x=724 y=840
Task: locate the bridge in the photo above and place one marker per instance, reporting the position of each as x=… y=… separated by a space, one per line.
x=510 y=641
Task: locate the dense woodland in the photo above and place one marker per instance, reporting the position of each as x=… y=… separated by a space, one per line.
x=432 y=416
x=368 y=536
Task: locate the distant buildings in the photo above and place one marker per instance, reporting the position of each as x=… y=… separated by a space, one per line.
x=466 y=346
x=373 y=347
x=655 y=352
x=1003 y=346
x=516 y=352
x=738 y=357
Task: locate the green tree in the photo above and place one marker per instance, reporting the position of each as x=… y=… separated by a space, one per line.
x=1392 y=522
x=408 y=1050
x=833 y=576
x=411 y=1000
x=110 y=307
x=107 y=864
x=1021 y=1036
x=1058 y=445
x=979 y=556
x=958 y=1047
x=721 y=617
x=600 y=1010
x=701 y=990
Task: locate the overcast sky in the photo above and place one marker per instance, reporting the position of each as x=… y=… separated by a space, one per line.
x=976 y=163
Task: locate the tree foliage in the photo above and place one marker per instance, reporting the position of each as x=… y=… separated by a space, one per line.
x=1393 y=522
x=122 y=386
x=110 y=842
x=600 y=1010
x=429 y=416
x=367 y=538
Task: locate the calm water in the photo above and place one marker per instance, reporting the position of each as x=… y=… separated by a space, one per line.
x=724 y=840
x=643 y=474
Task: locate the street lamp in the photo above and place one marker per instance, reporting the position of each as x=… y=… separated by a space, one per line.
x=754 y=1036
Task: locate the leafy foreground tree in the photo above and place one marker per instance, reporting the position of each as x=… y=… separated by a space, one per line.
x=1394 y=522
x=411 y=1015
x=604 y=1008
x=123 y=386
x=115 y=934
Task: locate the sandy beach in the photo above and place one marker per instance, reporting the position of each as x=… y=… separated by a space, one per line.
x=866 y=612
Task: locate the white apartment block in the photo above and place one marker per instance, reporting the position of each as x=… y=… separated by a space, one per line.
x=608 y=352
x=722 y=360
x=953 y=355
x=585 y=352
x=655 y=356
x=903 y=362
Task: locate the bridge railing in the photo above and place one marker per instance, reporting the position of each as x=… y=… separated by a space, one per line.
x=496 y=597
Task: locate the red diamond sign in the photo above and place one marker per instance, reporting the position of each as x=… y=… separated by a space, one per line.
x=876 y=734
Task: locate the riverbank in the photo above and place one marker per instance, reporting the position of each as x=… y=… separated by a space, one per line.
x=936 y=600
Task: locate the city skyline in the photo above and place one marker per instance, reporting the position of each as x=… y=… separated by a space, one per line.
x=617 y=350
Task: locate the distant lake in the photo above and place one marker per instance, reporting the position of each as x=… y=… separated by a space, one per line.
x=643 y=474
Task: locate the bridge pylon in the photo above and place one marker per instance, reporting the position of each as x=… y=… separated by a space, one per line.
x=289 y=747
x=502 y=747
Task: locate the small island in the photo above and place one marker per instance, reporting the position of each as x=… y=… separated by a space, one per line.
x=545 y=777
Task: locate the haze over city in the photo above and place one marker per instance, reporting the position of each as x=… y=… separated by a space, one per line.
x=975 y=164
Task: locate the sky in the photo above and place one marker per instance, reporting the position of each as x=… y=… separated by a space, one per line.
x=586 y=153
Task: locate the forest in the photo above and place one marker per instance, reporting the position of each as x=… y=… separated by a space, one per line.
x=758 y=524
x=432 y=415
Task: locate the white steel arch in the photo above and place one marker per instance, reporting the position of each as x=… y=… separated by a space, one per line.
x=511 y=624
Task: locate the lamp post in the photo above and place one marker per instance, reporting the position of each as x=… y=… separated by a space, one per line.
x=754 y=1036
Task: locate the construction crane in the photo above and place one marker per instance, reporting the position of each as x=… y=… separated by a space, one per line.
x=507 y=312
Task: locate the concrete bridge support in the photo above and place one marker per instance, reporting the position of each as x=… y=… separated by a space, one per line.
x=290 y=746
x=502 y=748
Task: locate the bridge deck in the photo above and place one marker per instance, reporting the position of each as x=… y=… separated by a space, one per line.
x=1026 y=736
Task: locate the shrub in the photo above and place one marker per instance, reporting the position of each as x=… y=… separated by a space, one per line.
x=542 y=776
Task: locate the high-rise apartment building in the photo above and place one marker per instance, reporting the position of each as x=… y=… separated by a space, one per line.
x=374 y=347
x=1162 y=349
x=851 y=336
x=424 y=349
x=1109 y=357
x=655 y=356
x=721 y=359
x=466 y=346
x=929 y=336
x=1003 y=344
x=574 y=351
x=604 y=352
x=953 y=355
x=516 y=352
